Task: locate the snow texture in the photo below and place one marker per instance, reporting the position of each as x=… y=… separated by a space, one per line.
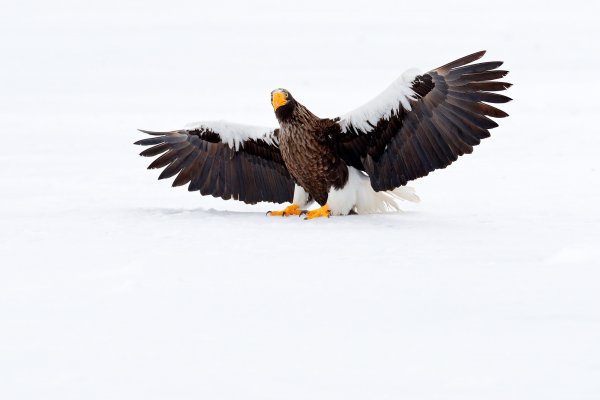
x=114 y=285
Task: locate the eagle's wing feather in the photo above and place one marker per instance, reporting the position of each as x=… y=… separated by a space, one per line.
x=422 y=122
x=224 y=160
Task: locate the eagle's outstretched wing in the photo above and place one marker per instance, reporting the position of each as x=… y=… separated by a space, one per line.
x=223 y=159
x=422 y=122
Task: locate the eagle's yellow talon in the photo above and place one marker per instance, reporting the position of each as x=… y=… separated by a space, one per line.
x=324 y=211
x=293 y=209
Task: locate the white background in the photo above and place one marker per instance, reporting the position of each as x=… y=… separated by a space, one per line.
x=115 y=286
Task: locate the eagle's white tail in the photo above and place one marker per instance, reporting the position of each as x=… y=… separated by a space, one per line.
x=405 y=193
x=359 y=196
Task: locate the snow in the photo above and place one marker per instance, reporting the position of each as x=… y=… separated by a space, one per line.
x=114 y=285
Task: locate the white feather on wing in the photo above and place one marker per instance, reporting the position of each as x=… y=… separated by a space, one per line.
x=234 y=134
x=387 y=103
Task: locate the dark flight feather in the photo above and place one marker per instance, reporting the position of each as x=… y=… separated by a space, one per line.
x=211 y=166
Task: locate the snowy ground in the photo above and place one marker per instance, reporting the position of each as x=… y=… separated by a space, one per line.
x=115 y=286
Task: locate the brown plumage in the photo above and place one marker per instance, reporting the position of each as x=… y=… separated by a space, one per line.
x=411 y=129
x=308 y=152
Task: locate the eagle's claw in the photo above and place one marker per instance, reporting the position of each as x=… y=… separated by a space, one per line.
x=324 y=211
x=293 y=209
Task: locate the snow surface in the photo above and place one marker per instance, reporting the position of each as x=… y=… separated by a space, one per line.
x=116 y=286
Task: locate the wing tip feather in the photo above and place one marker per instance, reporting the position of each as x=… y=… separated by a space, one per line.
x=462 y=61
x=152 y=132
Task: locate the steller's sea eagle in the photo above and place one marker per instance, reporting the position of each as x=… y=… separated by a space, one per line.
x=357 y=163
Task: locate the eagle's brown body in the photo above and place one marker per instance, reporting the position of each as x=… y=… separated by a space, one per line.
x=308 y=153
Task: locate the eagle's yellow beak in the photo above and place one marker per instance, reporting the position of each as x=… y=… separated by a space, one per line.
x=279 y=99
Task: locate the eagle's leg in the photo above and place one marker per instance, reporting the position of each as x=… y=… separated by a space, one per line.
x=293 y=209
x=324 y=211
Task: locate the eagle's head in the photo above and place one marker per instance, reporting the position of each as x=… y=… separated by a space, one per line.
x=283 y=104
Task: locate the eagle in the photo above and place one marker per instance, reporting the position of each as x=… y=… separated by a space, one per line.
x=356 y=163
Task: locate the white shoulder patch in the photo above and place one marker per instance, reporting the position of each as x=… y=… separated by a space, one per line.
x=235 y=134
x=384 y=105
